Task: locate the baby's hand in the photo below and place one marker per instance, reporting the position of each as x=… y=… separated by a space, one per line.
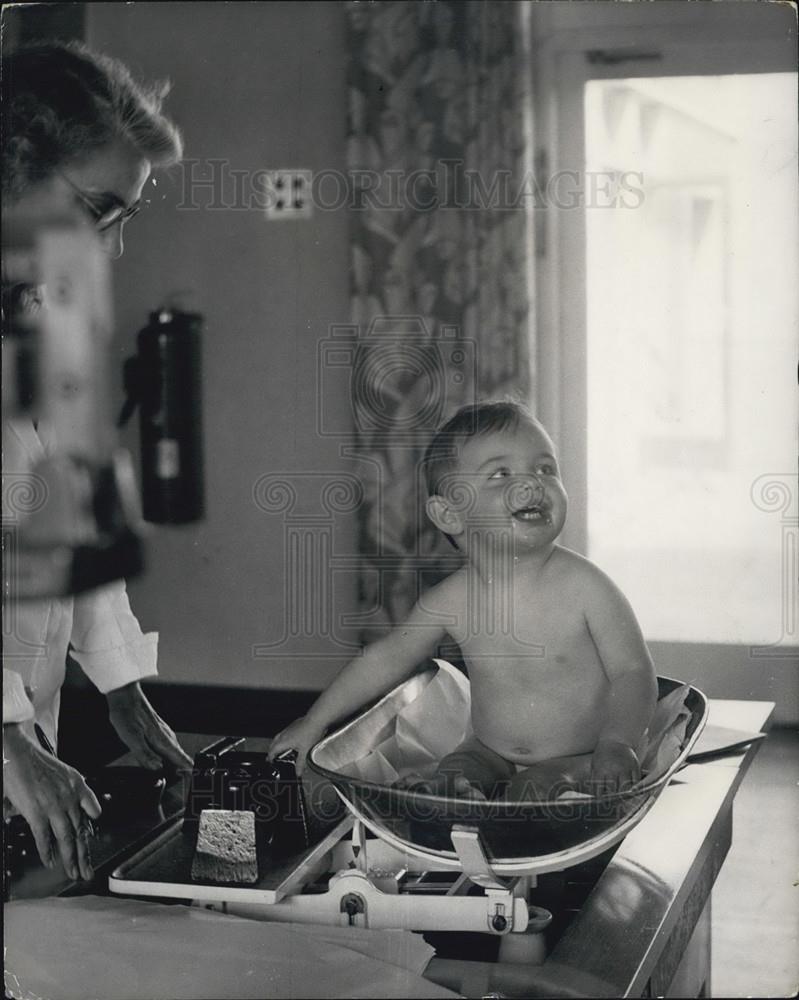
x=614 y=767
x=464 y=789
x=301 y=735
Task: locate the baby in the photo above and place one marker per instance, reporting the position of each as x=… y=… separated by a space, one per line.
x=562 y=683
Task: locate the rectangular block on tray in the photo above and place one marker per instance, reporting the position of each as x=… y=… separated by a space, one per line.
x=226 y=850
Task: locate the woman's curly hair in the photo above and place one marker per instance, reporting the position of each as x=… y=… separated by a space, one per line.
x=62 y=101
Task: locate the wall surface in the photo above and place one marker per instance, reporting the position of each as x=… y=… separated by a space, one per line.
x=258 y=86
x=263 y=86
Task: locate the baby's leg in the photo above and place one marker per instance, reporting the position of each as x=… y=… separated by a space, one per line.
x=471 y=771
x=545 y=781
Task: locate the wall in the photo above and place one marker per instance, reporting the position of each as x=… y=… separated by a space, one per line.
x=264 y=85
x=23 y=24
x=260 y=86
x=621 y=24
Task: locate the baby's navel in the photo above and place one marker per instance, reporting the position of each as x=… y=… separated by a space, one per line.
x=521 y=751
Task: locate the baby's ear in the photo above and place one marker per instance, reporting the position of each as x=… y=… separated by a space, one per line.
x=444 y=517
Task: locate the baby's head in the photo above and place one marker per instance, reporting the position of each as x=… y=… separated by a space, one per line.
x=493 y=464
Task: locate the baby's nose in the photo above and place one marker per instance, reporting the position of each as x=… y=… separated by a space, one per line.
x=525 y=492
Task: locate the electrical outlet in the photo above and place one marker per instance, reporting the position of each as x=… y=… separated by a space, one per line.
x=288 y=194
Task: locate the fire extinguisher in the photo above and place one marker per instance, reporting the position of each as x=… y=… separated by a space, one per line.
x=164 y=380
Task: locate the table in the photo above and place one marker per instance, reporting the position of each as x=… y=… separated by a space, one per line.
x=644 y=929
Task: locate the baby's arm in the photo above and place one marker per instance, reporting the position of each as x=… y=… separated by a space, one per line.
x=633 y=686
x=381 y=666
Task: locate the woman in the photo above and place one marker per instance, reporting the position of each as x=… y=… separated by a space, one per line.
x=78 y=132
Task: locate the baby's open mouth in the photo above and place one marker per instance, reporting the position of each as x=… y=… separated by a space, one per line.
x=535 y=512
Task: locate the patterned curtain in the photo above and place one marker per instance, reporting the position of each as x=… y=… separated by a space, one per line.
x=438 y=153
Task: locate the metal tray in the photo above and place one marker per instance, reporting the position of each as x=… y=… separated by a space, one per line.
x=163 y=869
x=516 y=837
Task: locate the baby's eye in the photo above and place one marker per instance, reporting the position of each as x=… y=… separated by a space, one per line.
x=546 y=469
x=500 y=473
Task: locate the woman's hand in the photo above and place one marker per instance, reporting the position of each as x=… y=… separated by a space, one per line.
x=614 y=767
x=53 y=798
x=301 y=735
x=142 y=729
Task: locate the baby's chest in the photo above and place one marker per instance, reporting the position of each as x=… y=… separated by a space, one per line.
x=550 y=624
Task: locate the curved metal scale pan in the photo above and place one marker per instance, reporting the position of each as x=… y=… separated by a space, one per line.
x=516 y=837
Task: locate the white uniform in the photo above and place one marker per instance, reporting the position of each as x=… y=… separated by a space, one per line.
x=105 y=636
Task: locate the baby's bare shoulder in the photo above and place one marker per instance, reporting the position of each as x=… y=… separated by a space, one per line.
x=574 y=570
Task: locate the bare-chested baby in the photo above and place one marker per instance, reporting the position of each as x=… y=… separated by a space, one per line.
x=562 y=683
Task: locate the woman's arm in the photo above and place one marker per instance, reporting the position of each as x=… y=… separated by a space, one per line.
x=109 y=644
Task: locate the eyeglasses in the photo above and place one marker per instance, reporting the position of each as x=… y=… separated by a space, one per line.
x=103 y=219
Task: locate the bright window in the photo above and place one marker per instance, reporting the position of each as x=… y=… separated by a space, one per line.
x=691 y=331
